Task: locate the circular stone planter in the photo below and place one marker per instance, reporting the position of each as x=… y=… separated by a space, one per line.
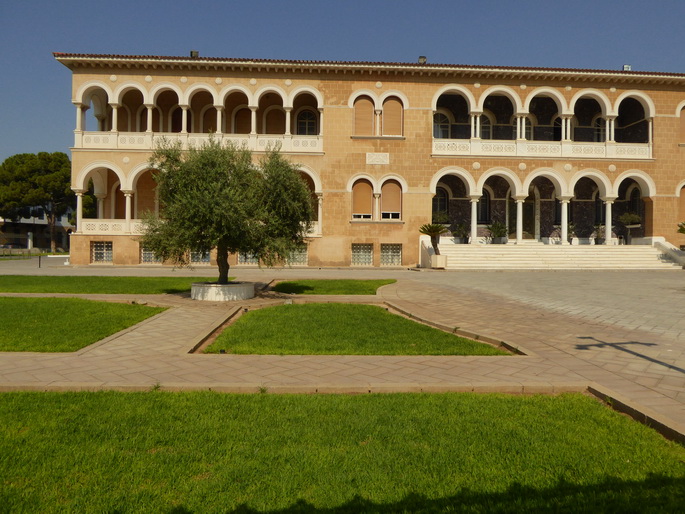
x=211 y=292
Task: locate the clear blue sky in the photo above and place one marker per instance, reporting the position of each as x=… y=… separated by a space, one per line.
x=36 y=112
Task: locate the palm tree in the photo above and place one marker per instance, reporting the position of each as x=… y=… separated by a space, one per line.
x=434 y=230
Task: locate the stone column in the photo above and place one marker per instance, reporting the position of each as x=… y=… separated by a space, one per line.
x=128 y=195
x=115 y=117
x=474 y=219
x=79 y=210
x=377 y=121
x=320 y=125
x=319 y=212
x=287 y=110
x=564 y=220
x=149 y=117
x=610 y=125
x=100 y=205
x=219 y=121
x=608 y=223
x=253 y=120
x=184 y=119
x=376 y=207
x=519 y=220
x=79 y=117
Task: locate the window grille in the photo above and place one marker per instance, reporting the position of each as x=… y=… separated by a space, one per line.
x=391 y=255
x=247 y=259
x=148 y=256
x=298 y=258
x=199 y=257
x=101 y=251
x=362 y=254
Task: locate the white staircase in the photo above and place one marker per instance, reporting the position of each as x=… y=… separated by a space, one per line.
x=542 y=256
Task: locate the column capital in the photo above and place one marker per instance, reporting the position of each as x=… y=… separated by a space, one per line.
x=128 y=192
x=474 y=198
x=608 y=199
x=219 y=107
x=149 y=106
x=564 y=199
x=184 y=106
x=78 y=192
x=520 y=198
x=114 y=105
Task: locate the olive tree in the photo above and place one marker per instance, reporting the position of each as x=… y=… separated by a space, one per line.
x=214 y=197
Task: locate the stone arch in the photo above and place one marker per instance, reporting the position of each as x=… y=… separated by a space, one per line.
x=504 y=91
x=305 y=89
x=603 y=183
x=160 y=88
x=135 y=174
x=235 y=88
x=457 y=89
x=82 y=177
x=508 y=175
x=318 y=188
x=601 y=98
x=548 y=92
x=464 y=175
x=391 y=176
x=679 y=188
x=645 y=101
x=560 y=186
x=363 y=176
x=646 y=183
x=90 y=86
x=119 y=93
x=402 y=97
x=363 y=92
x=195 y=88
x=270 y=89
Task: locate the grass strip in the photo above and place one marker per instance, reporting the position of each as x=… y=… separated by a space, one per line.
x=63 y=324
x=210 y=452
x=339 y=329
x=97 y=285
x=333 y=287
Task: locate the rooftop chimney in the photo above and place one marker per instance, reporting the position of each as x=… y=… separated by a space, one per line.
x=194 y=54
x=422 y=59
x=627 y=67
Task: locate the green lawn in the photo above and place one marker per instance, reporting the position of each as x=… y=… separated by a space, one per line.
x=352 y=287
x=63 y=324
x=97 y=285
x=339 y=329
x=210 y=452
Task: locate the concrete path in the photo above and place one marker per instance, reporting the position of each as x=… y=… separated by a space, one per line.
x=621 y=334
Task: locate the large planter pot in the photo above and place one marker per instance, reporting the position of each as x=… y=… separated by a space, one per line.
x=461 y=240
x=499 y=240
x=212 y=292
x=599 y=241
x=439 y=261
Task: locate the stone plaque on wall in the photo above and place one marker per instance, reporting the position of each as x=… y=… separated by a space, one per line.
x=377 y=158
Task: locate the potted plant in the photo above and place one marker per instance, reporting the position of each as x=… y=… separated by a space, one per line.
x=434 y=231
x=599 y=234
x=681 y=227
x=461 y=233
x=498 y=232
x=630 y=220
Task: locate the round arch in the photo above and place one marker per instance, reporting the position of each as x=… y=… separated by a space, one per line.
x=136 y=173
x=82 y=177
x=363 y=176
x=397 y=178
x=91 y=85
x=363 y=92
x=303 y=90
x=160 y=88
x=646 y=183
x=560 y=187
x=601 y=98
x=398 y=94
x=464 y=175
x=235 y=88
x=119 y=92
x=504 y=90
x=318 y=188
x=679 y=109
x=645 y=101
x=454 y=88
x=270 y=89
x=599 y=178
x=679 y=188
x=548 y=92
x=195 y=88
x=508 y=175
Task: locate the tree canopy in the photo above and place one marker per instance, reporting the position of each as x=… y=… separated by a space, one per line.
x=36 y=180
x=215 y=197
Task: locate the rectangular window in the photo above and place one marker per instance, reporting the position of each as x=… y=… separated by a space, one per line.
x=391 y=255
x=247 y=259
x=390 y=215
x=199 y=258
x=148 y=256
x=298 y=258
x=100 y=251
x=362 y=254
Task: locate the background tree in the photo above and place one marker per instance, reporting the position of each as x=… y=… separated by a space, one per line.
x=681 y=227
x=40 y=180
x=214 y=197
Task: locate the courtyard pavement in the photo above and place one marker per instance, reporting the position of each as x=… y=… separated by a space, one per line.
x=617 y=333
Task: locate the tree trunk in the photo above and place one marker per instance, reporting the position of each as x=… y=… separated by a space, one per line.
x=51 y=223
x=434 y=242
x=222 y=262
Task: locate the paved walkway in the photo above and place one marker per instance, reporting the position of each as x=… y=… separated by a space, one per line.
x=620 y=333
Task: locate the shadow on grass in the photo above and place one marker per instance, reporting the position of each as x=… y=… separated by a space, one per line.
x=292 y=288
x=657 y=493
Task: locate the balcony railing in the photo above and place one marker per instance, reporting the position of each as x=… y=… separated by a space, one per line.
x=553 y=149
x=148 y=141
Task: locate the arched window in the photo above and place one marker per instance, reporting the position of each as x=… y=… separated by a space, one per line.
x=391 y=200
x=362 y=200
x=392 y=117
x=485 y=127
x=441 y=201
x=306 y=123
x=682 y=125
x=635 y=204
x=242 y=122
x=484 y=207
x=363 y=116
x=441 y=126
